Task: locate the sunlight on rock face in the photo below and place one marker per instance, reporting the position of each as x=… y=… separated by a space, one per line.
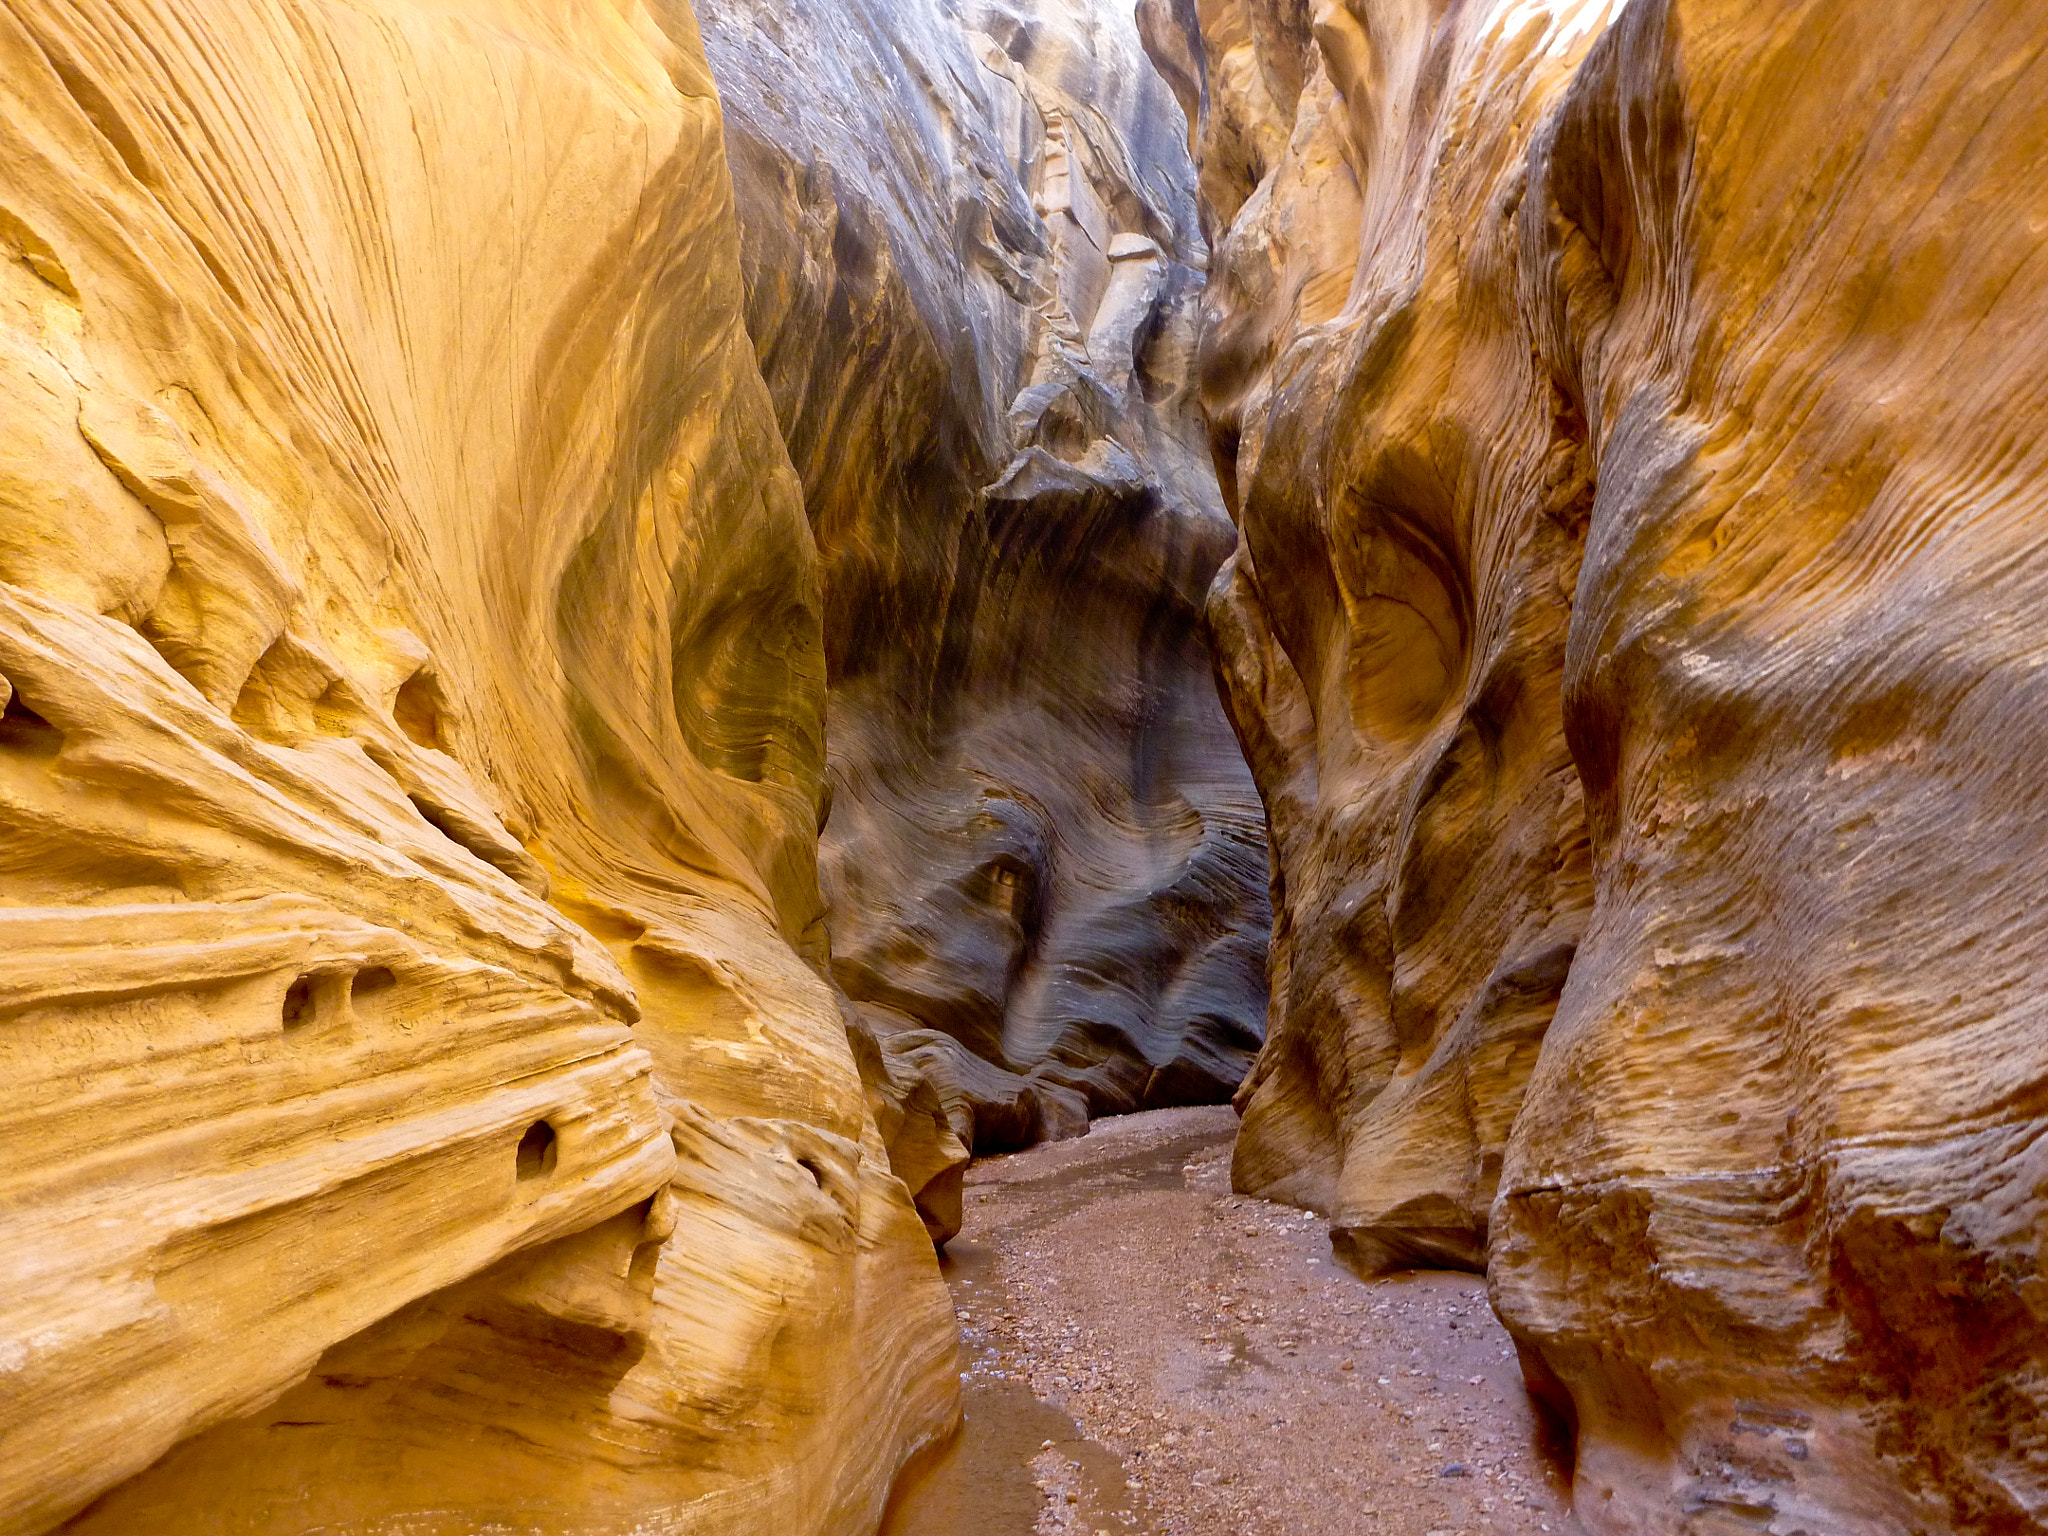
x=1624 y=633
x=418 y=644
x=387 y=465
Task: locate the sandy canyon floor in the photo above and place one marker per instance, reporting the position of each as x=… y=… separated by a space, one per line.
x=1148 y=1354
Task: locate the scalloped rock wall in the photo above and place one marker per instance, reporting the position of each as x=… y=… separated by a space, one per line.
x=426 y=1106
x=1632 y=416
x=465 y=462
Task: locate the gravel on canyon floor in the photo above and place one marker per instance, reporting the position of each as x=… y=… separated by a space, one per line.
x=1148 y=1354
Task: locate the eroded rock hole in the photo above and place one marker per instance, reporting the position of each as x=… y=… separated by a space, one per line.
x=536 y=1159
x=477 y=847
x=434 y=818
x=1005 y=888
x=301 y=1006
x=417 y=710
x=369 y=981
x=811 y=1166
x=23 y=730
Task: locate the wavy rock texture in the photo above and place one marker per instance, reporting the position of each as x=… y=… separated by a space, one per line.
x=1633 y=421
x=1392 y=627
x=423 y=1109
x=972 y=260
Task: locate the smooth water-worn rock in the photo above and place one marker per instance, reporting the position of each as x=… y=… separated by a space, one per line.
x=1391 y=630
x=425 y=1104
x=1633 y=418
x=972 y=261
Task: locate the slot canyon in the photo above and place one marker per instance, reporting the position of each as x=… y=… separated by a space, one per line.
x=1023 y=767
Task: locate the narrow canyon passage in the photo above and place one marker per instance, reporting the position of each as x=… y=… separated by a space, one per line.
x=1148 y=1354
x=649 y=648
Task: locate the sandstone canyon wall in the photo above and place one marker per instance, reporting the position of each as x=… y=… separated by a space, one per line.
x=972 y=264
x=465 y=463
x=426 y=1106
x=473 y=508
x=1632 y=415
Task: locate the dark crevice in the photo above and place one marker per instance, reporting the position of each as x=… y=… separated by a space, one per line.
x=537 y=1150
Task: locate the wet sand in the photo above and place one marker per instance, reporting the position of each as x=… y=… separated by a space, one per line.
x=1147 y=1354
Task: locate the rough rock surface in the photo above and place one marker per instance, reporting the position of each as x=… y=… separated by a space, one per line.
x=424 y=1107
x=972 y=258
x=1632 y=416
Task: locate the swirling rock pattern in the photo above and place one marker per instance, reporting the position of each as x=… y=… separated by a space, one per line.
x=972 y=258
x=425 y=1103
x=1633 y=419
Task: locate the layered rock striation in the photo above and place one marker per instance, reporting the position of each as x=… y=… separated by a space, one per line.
x=972 y=264
x=460 y=475
x=426 y=1104
x=1632 y=418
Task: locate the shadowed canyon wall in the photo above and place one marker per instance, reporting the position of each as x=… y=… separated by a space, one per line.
x=972 y=264
x=1632 y=416
x=425 y=1107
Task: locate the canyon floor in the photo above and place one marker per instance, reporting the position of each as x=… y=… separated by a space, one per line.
x=1148 y=1354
